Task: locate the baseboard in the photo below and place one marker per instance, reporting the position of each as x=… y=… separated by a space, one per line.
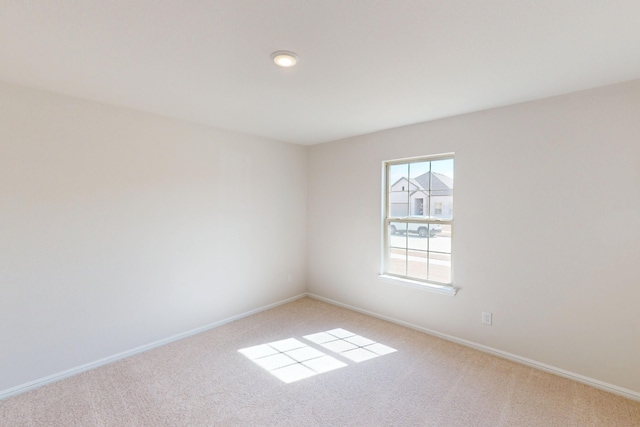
x=630 y=394
x=23 y=388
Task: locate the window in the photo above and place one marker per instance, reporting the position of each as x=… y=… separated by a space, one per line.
x=418 y=219
x=438 y=209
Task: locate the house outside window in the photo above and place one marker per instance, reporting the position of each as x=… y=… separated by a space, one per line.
x=418 y=219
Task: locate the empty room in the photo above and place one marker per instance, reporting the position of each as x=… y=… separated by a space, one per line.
x=279 y=212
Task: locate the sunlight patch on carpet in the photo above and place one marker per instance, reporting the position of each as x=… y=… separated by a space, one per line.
x=353 y=347
x=292 y=360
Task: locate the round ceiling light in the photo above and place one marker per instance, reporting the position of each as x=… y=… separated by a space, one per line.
x=285 y=59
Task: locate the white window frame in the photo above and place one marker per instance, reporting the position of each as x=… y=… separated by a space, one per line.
x=385 y=276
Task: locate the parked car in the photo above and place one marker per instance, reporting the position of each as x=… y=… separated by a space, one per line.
x=422 y=230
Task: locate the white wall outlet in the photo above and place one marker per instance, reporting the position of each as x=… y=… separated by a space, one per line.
x=291 y=278
x=487 y=318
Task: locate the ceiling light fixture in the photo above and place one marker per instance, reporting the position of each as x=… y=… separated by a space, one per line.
x=285 y=59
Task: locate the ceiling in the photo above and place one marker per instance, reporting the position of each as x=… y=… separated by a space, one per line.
x=364 y=65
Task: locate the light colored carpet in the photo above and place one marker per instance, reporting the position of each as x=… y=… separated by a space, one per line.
x=205 y=381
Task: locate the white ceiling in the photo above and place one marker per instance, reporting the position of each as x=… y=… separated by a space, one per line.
x=365 y=65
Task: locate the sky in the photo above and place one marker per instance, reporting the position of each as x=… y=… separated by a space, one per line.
x=414 y=170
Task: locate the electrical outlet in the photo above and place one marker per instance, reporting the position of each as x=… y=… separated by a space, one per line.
x=291 y=278
x=487 y=318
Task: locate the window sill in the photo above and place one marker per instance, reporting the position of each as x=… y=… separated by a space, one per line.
x=430 y=287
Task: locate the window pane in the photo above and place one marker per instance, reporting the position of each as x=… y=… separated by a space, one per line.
x=419 y=171
x=441 y=187
x=398 y=261
x=399 y=190
x=397 y=235
x=417 y=264
x=414 y=241
x=442 y=207
x=399 y=204
x=440 y=267
x=419 y=198
x=443 y=167
x=441 y=242
x=396 y=174
x=419 y=204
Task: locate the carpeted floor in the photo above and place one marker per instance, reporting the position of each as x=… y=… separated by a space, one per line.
x=342 y=371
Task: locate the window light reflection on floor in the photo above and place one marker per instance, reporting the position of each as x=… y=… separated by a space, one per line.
x=350 y=345
x=291 y=360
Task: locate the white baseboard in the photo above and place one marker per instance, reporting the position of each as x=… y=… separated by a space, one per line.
x=23 y=388
x=630 y=394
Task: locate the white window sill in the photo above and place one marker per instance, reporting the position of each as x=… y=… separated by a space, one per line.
x=430 y=287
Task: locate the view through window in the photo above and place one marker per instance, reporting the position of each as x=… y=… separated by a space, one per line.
x=418 y=221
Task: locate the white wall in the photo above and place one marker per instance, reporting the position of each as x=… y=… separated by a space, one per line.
x=533 y=242
x=119 y=228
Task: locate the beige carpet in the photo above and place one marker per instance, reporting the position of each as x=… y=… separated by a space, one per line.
x=205 y=381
